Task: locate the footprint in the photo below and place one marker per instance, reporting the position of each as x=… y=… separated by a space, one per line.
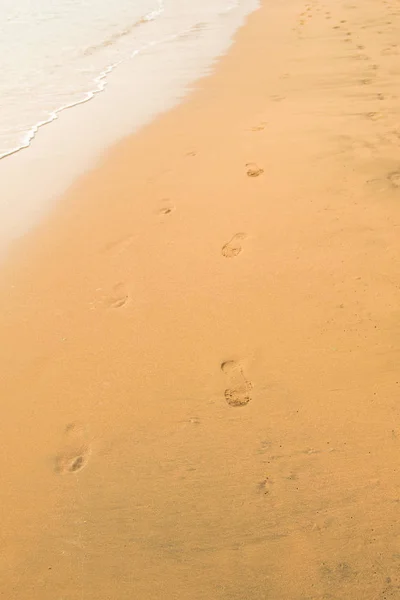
x=233 y=247
x=166 y=207
x=394 y=179
x=75 y=453
x=390 y=51
x=277 y=98
x=259 y=127
x=391 y=137
x=118 y=297
x=238 y=393
x=253 y=170
x=120 y=245
x=374 y=116
x=377 y=185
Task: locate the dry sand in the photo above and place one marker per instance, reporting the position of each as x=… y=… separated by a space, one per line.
x=200 y=346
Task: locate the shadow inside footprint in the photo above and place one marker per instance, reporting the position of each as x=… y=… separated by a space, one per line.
x=166 y=207
x=253 y=170
x=118 y=297
x=238 y=392
x=71 y=462
x=233 y=247
x=118 y=302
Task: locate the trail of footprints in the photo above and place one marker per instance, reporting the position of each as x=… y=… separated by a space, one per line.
x=75 y=449
x=371 y=77
x=75 y=453
x=369 y=73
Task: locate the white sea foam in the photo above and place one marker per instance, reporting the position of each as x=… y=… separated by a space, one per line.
x=67 y=51
x=96 y=85
x=145 y=53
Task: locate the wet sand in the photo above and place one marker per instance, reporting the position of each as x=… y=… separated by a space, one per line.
x=199 y=358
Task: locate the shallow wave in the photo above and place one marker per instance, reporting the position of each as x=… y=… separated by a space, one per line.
x=127 y=31
x=100 y=82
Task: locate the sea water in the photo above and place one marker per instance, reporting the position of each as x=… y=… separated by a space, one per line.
x=138 y=56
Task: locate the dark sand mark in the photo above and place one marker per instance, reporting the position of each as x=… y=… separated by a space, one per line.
x=337 y=573
x=166 y=207
x=233 y=247
x=238 y=392
x=390 y=592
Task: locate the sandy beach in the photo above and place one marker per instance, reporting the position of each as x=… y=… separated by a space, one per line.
x=200 y=343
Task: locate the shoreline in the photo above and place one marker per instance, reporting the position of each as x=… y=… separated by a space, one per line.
x=200 y=341
x=164 y=69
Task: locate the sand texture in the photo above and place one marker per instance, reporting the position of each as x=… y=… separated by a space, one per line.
x=200 y=345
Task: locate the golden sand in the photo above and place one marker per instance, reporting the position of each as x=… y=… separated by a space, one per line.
x=200 y=345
